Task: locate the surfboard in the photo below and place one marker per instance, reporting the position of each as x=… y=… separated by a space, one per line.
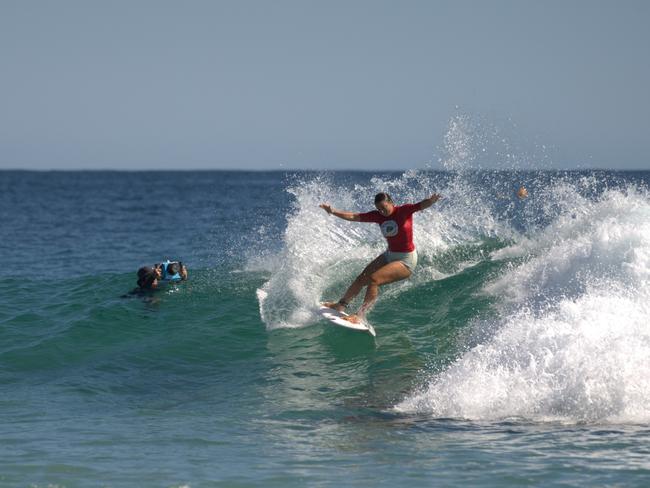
x=337 y=318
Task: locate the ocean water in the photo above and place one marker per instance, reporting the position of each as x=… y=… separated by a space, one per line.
x=518 y=354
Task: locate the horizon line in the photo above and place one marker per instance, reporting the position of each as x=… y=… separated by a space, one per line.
x=290 y=170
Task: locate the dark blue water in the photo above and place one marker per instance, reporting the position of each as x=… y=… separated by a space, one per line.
x=517 y=354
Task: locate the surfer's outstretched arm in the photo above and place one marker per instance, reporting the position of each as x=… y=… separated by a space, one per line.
x=351 y=216
x=427 y=202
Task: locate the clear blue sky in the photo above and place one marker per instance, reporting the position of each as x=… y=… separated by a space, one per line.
x=305 y=84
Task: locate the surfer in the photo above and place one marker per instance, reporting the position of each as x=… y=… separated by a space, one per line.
x=395 y=264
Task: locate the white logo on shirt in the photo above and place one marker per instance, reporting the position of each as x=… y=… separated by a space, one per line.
x=389 y=228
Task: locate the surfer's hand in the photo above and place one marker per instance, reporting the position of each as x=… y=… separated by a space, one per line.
x=427 y=202
x=326 y=207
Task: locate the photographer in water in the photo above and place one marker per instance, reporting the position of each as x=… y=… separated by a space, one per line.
x=152 y=278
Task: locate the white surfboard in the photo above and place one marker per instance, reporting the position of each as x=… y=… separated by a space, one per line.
x=337 y=318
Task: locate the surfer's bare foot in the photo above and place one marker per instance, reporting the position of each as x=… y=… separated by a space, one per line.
x=354 y=318
x=334 y=305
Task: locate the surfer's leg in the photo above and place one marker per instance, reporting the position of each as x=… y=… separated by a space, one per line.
x=362 y=280
x=394 y=271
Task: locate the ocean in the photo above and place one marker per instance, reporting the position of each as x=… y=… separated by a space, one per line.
x=518 y=353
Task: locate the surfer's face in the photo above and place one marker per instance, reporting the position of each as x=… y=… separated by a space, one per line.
x=385 y=208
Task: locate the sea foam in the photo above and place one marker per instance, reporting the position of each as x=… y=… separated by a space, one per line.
x=572 y=341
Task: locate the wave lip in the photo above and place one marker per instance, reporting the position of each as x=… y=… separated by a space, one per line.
x=607 y=241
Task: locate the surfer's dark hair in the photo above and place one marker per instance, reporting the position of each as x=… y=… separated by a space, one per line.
x=380 y=197
x=146 y=277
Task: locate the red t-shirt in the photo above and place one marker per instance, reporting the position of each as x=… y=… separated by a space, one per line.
x=397 y=228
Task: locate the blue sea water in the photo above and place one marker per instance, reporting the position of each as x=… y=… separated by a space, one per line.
x=518 y=354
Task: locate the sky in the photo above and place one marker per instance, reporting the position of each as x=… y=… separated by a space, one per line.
x=355 y=84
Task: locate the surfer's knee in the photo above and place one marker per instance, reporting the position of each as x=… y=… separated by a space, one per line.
x=375 y=280
x=362 y=279
x=365 y=275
